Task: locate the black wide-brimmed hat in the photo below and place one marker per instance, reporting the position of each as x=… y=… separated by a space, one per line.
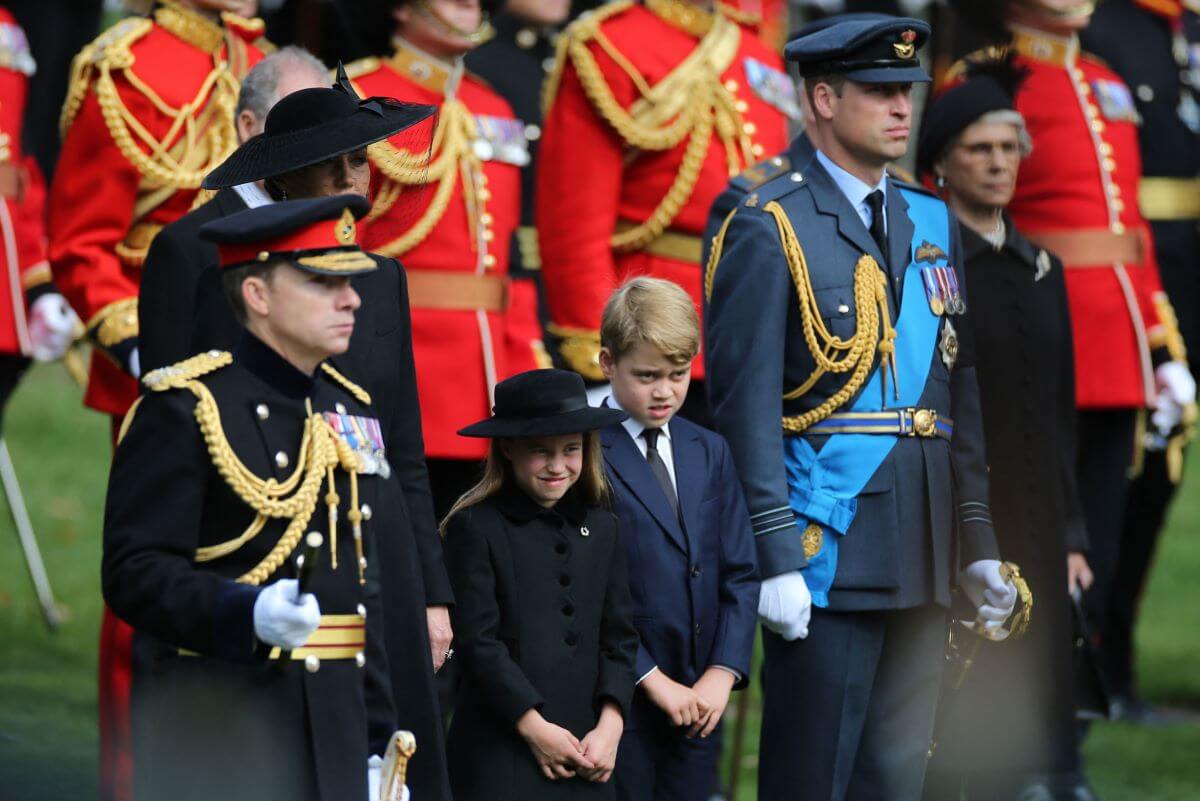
x=312 y=125
x=867 y=50
x=316 y=235
x=542 y=403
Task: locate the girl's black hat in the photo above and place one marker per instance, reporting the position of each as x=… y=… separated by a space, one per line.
x=542 y=403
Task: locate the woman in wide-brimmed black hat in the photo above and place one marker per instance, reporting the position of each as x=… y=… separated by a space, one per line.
x=542 y=615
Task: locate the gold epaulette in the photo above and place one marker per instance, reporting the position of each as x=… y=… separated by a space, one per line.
x=361 y=67
x=583 y=29
x=253 y=26
x=739 y=16
x=180 y=374
x=111 y=49
x=958 y=69
x=360 y=394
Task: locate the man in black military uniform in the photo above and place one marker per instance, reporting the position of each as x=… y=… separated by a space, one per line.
x=837 y=373
x=312 y=144
x=262 y=686
x=1154 y=45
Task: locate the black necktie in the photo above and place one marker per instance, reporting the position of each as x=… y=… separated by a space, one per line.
x=879 y=224
x=659 y=468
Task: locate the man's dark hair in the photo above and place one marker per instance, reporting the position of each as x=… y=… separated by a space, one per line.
x=232 y=280
x=836 y=82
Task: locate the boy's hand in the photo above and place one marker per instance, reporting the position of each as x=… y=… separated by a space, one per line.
x=714 y=688
x=681 y=703
x=600 y=744
x=556 y=750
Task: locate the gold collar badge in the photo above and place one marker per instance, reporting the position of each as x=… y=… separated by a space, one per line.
x=346 y=233
x=906 y=47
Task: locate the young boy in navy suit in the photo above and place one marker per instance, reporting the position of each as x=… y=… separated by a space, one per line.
x=689 y=543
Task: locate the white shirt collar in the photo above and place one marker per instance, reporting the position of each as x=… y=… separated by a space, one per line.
x=853 y=187
x=631 y=425
x=253 y=195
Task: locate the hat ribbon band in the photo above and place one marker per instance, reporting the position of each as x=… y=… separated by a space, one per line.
x=563 y=406
x=826 y=67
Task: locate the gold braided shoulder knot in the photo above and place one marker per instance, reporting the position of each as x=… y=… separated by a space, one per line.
x=201 y=134
x=856 y=355
x=360 y=394
x=295 y=498
x=114 y=323
x=580 y=349
x=705 y=108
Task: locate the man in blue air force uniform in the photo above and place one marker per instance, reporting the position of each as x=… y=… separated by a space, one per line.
x=840 y=359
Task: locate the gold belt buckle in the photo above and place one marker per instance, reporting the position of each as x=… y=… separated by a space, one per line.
x=924 y=422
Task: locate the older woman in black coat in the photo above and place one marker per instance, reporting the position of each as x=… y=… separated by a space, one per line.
x=1010 y=728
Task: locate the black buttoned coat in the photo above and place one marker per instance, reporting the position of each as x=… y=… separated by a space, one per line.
x=212 y=717
x=1025 y=367
x=543 y=619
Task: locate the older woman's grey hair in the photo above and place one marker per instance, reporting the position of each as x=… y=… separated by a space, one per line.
x=1007 y=117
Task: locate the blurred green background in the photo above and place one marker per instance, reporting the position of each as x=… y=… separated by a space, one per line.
x=47 y=680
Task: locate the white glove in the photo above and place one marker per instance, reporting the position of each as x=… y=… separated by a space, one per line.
x=375 y=776
x=280 y=619
x=994 y=598
x=135 y=363
x=52 y=324
x=785 y=605
x=1176 y=390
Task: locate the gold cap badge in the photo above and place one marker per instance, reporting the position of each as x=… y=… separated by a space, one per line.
x=346 y=233
x=906 y=47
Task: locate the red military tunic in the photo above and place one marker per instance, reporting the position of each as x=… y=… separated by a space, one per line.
x=651 y=109
x=456 y=252
x=1077 y=195
x=22 y=195
x=149 y=112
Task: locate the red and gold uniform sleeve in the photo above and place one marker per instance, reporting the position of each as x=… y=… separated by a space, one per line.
x=580 y=172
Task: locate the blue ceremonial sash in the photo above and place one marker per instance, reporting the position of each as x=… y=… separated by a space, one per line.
x=823 y=487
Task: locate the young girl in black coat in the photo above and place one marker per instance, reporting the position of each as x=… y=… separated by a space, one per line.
x=542 y=615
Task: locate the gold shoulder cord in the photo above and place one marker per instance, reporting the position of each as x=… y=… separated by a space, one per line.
x=360 y=394
x=873 y=329
x=201 y=134
x=691 y=103
x=294 y=499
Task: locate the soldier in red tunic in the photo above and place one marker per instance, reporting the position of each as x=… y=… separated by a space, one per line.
x=651 y=108
x=456 y=252
x=35 y=321
x=1077 y=196
x=149 y=112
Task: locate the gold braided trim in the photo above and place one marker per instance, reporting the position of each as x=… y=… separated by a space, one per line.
x=1167 y=333
x=690 y=103
x=354 y=261
x=360 y=394
x=193 y=28
x=37 y=275
x=211 y=552
x=180 y=374
x=115 y=323
x=580 y=349
x=714 y=256
x=202 y=131
x=452 y=158
x=127 y=420
x=873 y=329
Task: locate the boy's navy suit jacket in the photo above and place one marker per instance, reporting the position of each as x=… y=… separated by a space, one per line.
x=694 y=580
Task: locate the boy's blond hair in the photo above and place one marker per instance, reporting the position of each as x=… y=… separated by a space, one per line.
x=655 y=312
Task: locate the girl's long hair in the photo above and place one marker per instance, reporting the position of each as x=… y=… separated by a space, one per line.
x=592 y=484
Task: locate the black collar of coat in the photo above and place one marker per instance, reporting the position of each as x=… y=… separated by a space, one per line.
x=271 y=368
x=514 y=504
x=973 y=244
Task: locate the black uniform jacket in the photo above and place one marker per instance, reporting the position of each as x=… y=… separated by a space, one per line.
x=181 y=289
x=1027 y=392
x=220 y=721
x=543 y=620
x=923 y=512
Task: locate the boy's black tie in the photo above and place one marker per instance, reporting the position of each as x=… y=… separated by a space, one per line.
x=659 y=468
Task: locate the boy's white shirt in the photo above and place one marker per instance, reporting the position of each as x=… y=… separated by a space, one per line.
x=662 y=444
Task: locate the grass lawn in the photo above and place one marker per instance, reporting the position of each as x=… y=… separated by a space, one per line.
x=47 y=680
